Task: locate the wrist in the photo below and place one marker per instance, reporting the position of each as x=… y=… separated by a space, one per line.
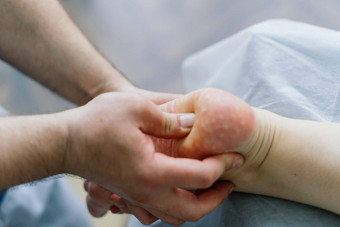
x=57 y=150
x=32 y=148
x=70 y=160
x=115 y=82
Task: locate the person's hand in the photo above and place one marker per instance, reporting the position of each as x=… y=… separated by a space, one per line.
x=99 y=200
x=111 y=85
x=224 y=124
x=110 y=143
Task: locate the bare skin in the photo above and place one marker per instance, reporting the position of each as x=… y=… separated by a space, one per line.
x=291 y=159
x=208 y=136
x=211 y=107
x=94 y=142
x=38 y=38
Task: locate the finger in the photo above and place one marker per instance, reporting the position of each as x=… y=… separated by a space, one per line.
x=95 y=209
x=100 y=195
x=165 y=125
x=187 y=206
x=119 y=202
x=191 y=173
x=232 y=161
x=98 y=199
x=141 y=214
x=210 y=198
x=86 y=183
x=165 y=217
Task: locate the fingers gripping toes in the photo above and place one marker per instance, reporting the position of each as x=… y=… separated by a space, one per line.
x=171 y=124
x=166 y=125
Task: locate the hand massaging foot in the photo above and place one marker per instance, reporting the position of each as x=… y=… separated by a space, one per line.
x=223 y=123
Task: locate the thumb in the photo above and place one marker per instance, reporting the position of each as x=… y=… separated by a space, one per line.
x=168 y=125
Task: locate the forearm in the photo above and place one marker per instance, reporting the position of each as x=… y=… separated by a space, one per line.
x=38 y=38
x=302 y=164
x=31 y=148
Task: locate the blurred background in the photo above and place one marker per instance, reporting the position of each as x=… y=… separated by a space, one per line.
x=147 y=40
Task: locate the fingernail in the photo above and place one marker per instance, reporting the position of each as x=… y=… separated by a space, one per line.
x=187 y=120
x=238 y=163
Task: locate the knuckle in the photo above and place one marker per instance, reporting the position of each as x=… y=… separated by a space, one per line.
x=168 y=125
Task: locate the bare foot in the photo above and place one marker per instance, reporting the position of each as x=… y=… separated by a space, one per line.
x=223 y=123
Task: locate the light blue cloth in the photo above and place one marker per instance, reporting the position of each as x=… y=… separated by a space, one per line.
x=3 y=112
x=2 y=195
x=283 y=66
x=50 y=202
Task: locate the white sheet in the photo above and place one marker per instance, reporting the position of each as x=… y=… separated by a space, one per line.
x=283 y=66
x=286 y=67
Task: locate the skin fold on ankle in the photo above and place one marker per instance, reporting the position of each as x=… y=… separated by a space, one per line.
x=223 y=124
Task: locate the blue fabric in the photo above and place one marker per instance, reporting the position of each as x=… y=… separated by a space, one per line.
x=50 y=202
x=248 y=210
x=2 y=195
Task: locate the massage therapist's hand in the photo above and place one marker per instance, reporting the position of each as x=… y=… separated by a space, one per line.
x=110 y=144
x=223 y=125
x=100 y=200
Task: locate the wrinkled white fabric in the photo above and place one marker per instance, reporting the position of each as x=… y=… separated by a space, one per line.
x=289 y=68
x=283 y=66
